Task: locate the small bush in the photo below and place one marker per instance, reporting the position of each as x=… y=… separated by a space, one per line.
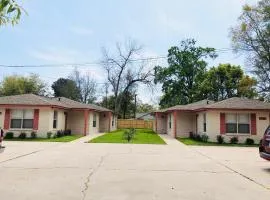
x=249 y=141
x=129 y=134
x=49 y=134
x=33 y=135
x=204 y=137
x=67 y=132
x=198 y=137
x=22 y=136
x=54 y=135
x=59 y=133
x=191 y=135
x=234 y=140
x=220 y=139
x=9 y=135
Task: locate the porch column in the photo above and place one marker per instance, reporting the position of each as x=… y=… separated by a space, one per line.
x=156 y=118
x=110 y=119
x=175 y=122
x=86 y=122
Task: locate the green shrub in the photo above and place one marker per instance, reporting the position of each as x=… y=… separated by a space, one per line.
x=67 y=132
x=129 y=134
x=249 y=141
x=49 y=134
x=191 y=135
x=204 y=137
x=22 y=136
x=198 y=137
x=220 y=139
x=9 y=135
x=59 y=133
x=234 y=140
x=33 y=135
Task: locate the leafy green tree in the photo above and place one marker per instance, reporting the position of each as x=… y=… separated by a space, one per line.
x=15 y=85
x=251 y=36
x=145 y=108
x=66 y=88
x=10 y=12
x=226 y=81
x=181 y=79
x=126 y=106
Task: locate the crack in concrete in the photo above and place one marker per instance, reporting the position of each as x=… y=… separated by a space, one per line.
x=87 y=181
x=234 y=171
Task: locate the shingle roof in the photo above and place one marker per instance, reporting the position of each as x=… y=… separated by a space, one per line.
x=231 y=103
x=240 y=103
x=35 y=100
x=191 y=106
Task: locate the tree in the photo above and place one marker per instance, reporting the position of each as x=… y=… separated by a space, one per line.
x=66 y=88
x=86 y=85
x=181 y=79
x=10 y=12
x=123 y=73
x=226 y=81
x=145 y=108
x=15 y=85
x=126 y=107
x=252 y=36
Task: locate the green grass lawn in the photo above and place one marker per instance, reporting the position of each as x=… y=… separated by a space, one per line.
x=142 y=136
x=189 y=141
x=68 y=138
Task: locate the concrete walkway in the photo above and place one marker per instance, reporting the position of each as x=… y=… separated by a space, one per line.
x=170 y=140
x=87 y=138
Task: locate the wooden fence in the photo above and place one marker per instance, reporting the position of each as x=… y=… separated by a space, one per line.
x=134 y=123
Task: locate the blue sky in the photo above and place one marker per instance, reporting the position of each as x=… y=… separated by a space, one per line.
x=75 y=31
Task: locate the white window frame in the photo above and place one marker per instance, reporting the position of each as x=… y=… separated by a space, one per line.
x=204 y=123
x=95 y=120
x=237 y=123
x=22 y=119
x=55 y=118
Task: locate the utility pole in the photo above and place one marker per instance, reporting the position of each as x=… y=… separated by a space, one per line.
x=135 y=109
x=106 y=91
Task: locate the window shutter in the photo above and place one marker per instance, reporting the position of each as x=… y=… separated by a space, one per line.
x=253 y=124
x=7 y=119
x=222 y=123
x=36 y=119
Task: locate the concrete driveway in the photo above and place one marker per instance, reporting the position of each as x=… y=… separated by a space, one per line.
x=76 y=170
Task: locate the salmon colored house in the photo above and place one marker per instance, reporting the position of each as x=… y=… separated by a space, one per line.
x=239 y=117
x=29 y=112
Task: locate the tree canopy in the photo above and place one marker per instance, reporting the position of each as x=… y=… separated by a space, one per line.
x=187 y=68
x=64 y=87
x=226 y=81
x=10 y=12
x=15 y=85
x=251 y=37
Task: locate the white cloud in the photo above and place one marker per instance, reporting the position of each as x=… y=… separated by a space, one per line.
x=82 y=31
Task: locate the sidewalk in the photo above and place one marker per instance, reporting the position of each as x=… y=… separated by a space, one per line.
x=87 y=138
x=170 y=140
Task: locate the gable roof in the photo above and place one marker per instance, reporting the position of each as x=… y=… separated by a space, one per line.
x=191 y=106
x=240 y=103
x=234 y=103
x=35 y=100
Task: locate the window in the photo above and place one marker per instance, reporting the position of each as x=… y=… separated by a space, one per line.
x=95 y=120
x=204 y=122
x=170 y=121
x=113 y=120
x=243 y=123
x=22 y=119
x=237 y=123
x=55 y=119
